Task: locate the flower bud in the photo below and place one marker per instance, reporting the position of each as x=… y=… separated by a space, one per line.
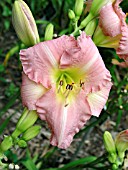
x=79 y=7
x=31 y=132
x=27 y=119
x=86 y=20
x=22 y=143
x=49 y=32
x=71 y=14
x=24 y=23
x=109 y=142
x=90 y=28
x=114 y=167
x=110 y=147
x=6 y=143
x=112 y=157
x=121 y=142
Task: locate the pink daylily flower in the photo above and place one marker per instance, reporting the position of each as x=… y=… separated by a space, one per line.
x=110 y=19
x=66 y=81
x=112 y=22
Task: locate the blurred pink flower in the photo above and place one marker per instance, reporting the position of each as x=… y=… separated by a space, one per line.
x=112 y=22
x=121 y=142
x=66 y=81
x=121 y=64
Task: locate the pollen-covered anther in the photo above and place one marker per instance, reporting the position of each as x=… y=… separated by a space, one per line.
x=60 y=84
x=81 y=83
x=69 y=87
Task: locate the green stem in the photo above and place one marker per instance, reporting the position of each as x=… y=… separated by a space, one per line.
x=16 y=133
x=83 y=24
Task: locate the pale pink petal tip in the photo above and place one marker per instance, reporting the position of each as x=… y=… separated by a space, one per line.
x=122 y=50
x=63 y=121
x=30 y=92
x=97 y=100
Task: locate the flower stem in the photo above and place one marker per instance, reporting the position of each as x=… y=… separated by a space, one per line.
x=83 y=24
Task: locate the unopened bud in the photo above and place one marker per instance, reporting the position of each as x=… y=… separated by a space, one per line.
x=27 y=119
x=79 y=7
x=71 y=14
x=22 y=143
x=86 y=20
x=31 y=132
x=49 y=32
x=6 y=143
x=114 y=167
x=24 y=23
x=90 y=28
x=121 y=142
x=109 y=142
x=112 y=157
x=17 y=167
x=11 y=166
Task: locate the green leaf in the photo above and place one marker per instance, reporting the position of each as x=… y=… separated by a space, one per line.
x=28 y=163
x=12 y=100
x=5 y=123
x=2 y=69
x=71 y=165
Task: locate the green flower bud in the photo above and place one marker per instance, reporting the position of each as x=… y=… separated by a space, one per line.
x=27 y=119
x=86 y=20
x=24 y=23
x=49 y=32
x=114 y=167
x=79 y=7
x=71 y=14
x=109 y=142
x=110 y=147
x=6 y=143
x=121 y=142
x=22 y=143
x=112 y=157
x=31 y=133
x=90 y=28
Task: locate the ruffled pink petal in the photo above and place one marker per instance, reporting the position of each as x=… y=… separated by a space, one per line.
x=109 y=20
x=38 y=60
x=98 y=99
x=122 y=50
x=87 y=57
x=30 y=92
x=63 y=121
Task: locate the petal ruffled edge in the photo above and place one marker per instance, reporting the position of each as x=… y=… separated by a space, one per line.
x=87 y=57
x=122 y=50
x=39 y=60
x=63 y=121
x=30 y=92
